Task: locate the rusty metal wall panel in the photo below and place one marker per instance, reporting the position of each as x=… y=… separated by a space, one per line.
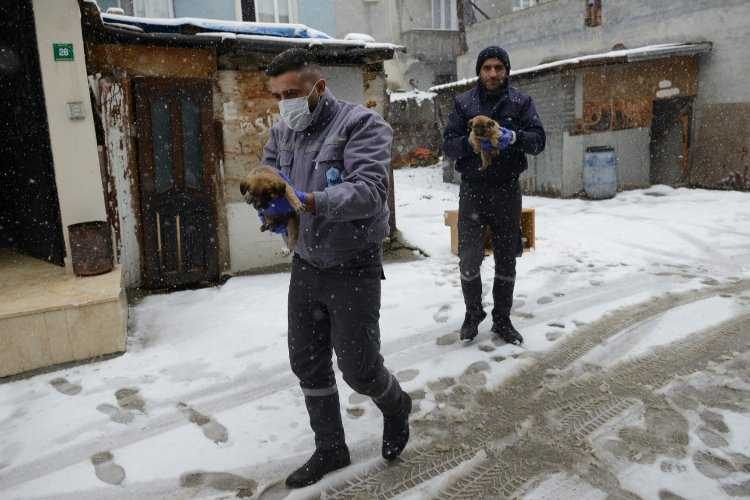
x=554 y=98
x=618 y=97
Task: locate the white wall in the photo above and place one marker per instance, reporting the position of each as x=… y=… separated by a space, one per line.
x=631 y=149
x=345 y=82
x=248 y=247
x=74 y=151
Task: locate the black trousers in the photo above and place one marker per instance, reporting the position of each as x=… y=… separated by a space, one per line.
x=498 y=207
x=338 y=310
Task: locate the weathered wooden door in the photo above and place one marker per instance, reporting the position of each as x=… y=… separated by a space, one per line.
x=176 y=154
x=670 y=141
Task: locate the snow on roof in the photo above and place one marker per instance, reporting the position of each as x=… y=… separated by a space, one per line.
x=362 y=37
x=306 y=42
x=288 y=33
x=626 y=55
x=168 y=25
x=417 y=95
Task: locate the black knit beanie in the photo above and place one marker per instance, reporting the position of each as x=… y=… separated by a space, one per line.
x=491 y=52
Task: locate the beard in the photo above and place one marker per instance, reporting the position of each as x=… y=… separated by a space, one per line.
x=494 y=86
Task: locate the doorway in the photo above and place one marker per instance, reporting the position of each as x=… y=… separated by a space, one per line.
x=670 y=141
x=29 y=208
x=176 y=153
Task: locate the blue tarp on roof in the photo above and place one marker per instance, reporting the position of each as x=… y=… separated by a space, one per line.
x=193 y=25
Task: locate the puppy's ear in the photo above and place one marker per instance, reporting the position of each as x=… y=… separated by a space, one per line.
x=493 y=123
x=280 y=190
x=244 y=186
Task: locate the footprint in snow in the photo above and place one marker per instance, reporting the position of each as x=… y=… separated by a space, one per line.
x=407 y=375
x=441 y=315
x=115 y=414
x=355 y=412
x=221 y=481
x=106 y=469
x=212 y=429
x=448 y=339
x=358 y=399
x=62 y=386
x=129 y=398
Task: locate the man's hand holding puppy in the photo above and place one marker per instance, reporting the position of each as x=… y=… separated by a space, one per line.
x=507 y=137
x=279 y=207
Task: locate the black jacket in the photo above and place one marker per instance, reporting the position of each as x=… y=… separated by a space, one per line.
x=515 y=111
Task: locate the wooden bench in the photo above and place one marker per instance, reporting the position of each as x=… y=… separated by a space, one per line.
x=528 y=230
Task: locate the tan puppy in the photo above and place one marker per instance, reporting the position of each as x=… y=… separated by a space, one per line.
x=483 y=127
x=262 y=185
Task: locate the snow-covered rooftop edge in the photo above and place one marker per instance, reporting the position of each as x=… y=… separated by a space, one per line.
x=285 y=30
x=418 y=95
x=288 y=33
x=630 y=55
x=306 y=42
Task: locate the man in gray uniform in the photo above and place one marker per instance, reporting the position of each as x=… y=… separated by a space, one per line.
x=337 y=156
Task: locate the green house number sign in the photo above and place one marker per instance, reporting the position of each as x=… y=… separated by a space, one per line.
x=63 y=51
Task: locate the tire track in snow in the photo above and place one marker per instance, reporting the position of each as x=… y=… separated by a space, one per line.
x=547 y=444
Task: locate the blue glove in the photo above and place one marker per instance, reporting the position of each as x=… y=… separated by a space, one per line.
x=486 y=145
x=507 y=137
x=300 y=194
x=278 y=208
x=279 y=228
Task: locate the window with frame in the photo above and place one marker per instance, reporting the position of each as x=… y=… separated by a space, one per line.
x=215 y=9
x=444 y=15
x=273 y=11
x=593 y=13
x=125 y=5
x=525 y=4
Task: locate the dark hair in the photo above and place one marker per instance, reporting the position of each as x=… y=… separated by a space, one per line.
x=295 y=59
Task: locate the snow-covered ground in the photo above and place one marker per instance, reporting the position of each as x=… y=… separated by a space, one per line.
x=204 y=404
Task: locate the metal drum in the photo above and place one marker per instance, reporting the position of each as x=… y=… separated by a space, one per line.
x=600 y=172
x=91 y=248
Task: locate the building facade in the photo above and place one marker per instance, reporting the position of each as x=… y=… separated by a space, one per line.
x=428 y=28
x=50 y=179
x=696 y=134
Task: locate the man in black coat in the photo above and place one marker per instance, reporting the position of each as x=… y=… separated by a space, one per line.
x=492 y=197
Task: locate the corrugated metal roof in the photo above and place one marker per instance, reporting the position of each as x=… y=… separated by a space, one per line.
x=645 y=53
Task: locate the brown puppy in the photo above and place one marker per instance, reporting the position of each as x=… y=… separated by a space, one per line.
x=262 y=185
x=483 y=127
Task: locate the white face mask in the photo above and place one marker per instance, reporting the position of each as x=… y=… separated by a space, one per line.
x=296 y=112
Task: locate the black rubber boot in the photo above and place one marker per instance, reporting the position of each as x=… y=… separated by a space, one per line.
x=507 y=332
x=470 y=328
x=325 y=421
x=396 y=429
x=321 y=463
